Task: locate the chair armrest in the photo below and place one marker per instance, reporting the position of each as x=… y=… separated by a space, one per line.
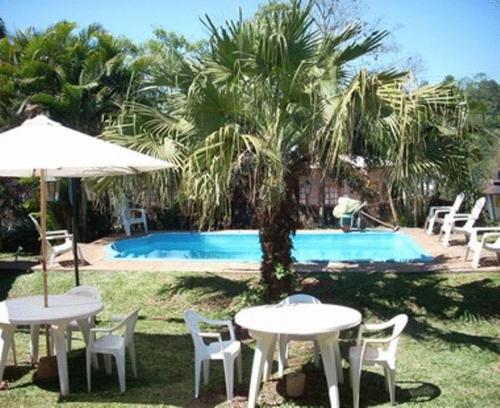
x=465 y=216
x=62 y=236
x=489 y=235
x=442 y=208
x=57 y=232
x=377 y=326
x=442 y=211
x=481 y=229
x=227 y=323
x=102 y=329
x=142 y=211
x=214 y=336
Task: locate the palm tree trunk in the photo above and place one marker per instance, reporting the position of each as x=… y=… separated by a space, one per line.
x=277 y=224
x=395 y=217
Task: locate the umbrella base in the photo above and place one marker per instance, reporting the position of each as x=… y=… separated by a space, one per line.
x=47 y=370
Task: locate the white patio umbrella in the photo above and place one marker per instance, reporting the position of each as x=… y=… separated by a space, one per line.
x=45 y=148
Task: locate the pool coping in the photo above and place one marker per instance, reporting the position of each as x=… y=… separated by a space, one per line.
x=444 y=259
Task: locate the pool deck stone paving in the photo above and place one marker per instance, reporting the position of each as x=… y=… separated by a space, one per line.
x=449 y=259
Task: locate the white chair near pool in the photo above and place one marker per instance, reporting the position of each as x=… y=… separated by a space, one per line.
x=437 y=213
x=133 y=216
x=62 y=236
x=113 y=345
x=489 y=241
x=228 y=351
x=366 y=352
x=284 y=339
x=449 y=225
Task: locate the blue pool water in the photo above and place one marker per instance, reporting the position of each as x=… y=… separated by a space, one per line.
x=244 y=246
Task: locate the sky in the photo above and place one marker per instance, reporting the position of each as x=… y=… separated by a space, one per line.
x=457 y=37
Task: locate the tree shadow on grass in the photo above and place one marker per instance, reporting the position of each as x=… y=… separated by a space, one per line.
x=208 y=283
x=9 y=272
x=165 y=376
x=429 y=300
x=373 y=390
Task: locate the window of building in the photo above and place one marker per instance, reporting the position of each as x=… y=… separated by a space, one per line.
x=331 y=196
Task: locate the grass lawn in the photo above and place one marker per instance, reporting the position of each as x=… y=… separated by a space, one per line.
x=448 y=357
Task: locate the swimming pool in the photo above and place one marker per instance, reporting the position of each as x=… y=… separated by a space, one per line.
x=309 y=246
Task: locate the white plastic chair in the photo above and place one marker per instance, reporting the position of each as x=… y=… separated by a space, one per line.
x=113 y=345
x=365 y=354
x=73 y=326
x=490 y=241
x=226 y=350
x=133 y=216
x=54 y=251
x=469 y=220
x=436 y=214
x=283 y=340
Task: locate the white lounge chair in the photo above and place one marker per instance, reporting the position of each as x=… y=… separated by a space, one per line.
x=449 y=225
x=364 y=353
x=113 y=345
x=63 y=236
x=283 y=340
x=437 y=214
x=133 y=216
x=489 y=241
x=226 y=350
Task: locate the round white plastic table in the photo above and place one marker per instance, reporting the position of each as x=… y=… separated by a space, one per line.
x=324 y=321
x=62 y=310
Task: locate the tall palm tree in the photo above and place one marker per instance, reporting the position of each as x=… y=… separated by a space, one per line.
x=273 y=97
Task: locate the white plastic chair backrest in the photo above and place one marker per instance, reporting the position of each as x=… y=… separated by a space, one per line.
x=476 y=211
x=85 y=290
x=458 y=202
x=399 y=322
x=299 y=298
x=35 y=223
x=129 y=322
x=192 y=320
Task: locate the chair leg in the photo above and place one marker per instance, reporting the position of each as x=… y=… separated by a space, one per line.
x=88 y=359
x=68 y=340
x=476 y=257
x=239 y=367
x=80 y=254
x=282 y=349
x=430 y=226
x=34 y=339
x=338 y=362
x=447 y=236
x=355 y=382
x=229 y=375
x=145 y=226
x=107 y=364
x=467 y=250
x=14 y=354
x=390 y=377
x=126 y=227
x=133 y=360
x=120 y=367
x=206 y=371
x=317 y=358
x=197 y=376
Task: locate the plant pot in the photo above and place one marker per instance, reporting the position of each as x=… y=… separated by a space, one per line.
x=47 y=369
x=295 y=384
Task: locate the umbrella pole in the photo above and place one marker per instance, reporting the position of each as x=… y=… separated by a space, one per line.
x=74 y=226
x=43 y=236
x=43 y=227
